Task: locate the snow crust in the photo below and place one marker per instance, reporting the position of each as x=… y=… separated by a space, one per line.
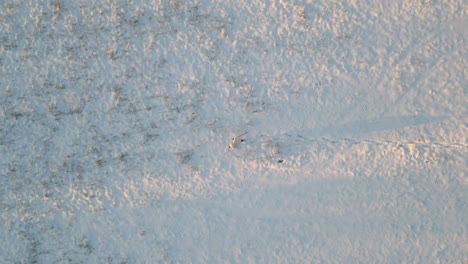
x=116 y=116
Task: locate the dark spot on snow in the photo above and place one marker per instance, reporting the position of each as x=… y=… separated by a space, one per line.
x=281 y=161
x=184 y=156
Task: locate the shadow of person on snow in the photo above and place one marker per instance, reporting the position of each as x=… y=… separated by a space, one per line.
x=371 y=125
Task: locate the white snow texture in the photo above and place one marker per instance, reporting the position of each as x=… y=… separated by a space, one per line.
x=349 y=121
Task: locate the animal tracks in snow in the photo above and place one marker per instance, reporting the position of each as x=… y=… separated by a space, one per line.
x=303 y=148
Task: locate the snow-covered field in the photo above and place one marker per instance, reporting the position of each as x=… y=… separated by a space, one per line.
x=116 y=116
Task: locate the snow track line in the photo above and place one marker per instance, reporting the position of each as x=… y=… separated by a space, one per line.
x=404 y=143
x=295 y=140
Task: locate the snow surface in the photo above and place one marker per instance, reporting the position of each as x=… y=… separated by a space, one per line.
x=116 y=116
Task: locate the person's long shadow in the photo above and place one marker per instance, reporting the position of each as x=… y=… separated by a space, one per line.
x=296 y=141
x=371 y=125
